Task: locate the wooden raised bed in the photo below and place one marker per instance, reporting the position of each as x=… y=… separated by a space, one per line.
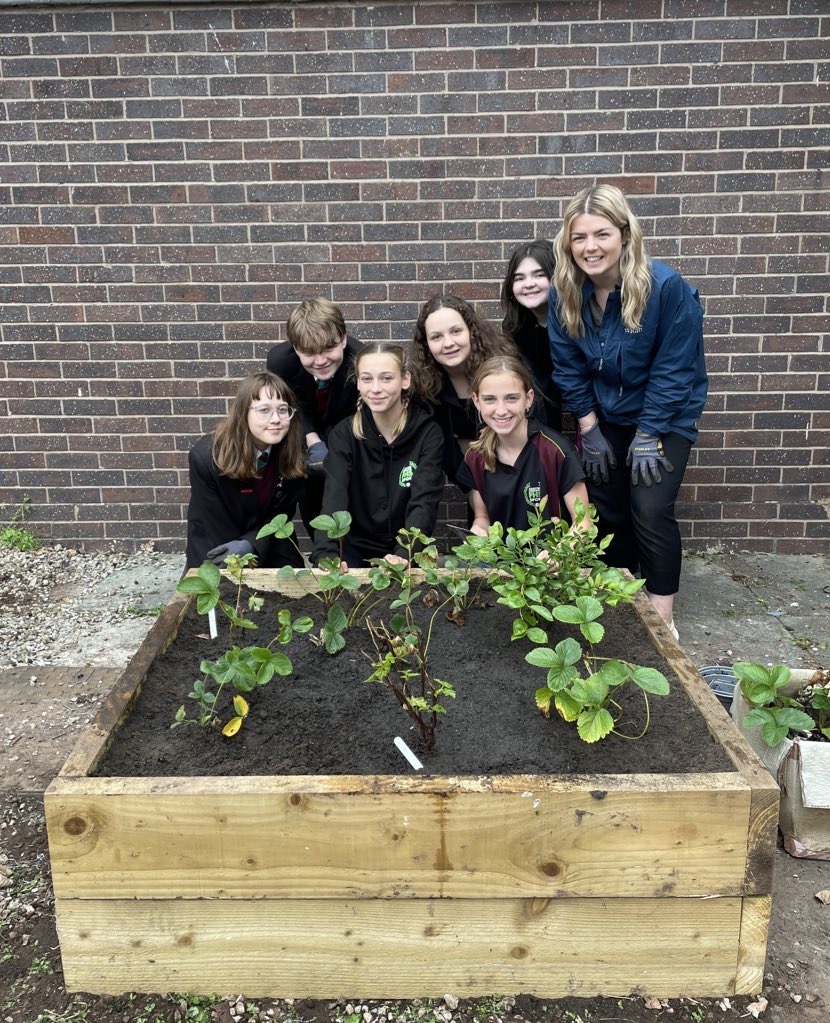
x=403 y=886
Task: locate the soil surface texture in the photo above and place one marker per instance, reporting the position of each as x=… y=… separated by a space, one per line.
x=323 y=719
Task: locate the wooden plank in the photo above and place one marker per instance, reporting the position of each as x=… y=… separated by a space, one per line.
x=755 y=917
x=371 y=949
x=646 y=835
x=763 y=813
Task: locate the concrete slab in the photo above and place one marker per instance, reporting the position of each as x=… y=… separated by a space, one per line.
x=755 y=607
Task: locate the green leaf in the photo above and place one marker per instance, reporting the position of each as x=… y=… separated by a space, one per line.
x=334 y=643
x=542 y=657
x=281 y=664
x=589 y=607
x=758 y=717
x=569 y=651
x=206 y=602
x=536 y=635
x=542 y=611
x=615 y=672
x=302 y=624
x=592 y=631
x=746 y=671
x=335 y=525
x=594 y=724
x=651 y=681
x=280 y=527
x=336 y=619
x=773 y=732
x=568 y=613
x=193 y=584
x=519 y=629
x=795 y=720
x=592 y=691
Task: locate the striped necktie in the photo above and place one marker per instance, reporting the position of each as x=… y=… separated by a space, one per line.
x=262 y=460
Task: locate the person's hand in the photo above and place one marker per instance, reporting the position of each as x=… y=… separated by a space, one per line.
x=597 y=455
x=316 y=453
x=646 y=457
x=237 y=547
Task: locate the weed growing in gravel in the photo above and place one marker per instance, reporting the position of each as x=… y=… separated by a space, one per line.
x=15 y=536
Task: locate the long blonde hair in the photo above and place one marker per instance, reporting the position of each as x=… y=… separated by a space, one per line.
x=635 y=265
x=398 y=353
x=234 y=449
x=487 y=442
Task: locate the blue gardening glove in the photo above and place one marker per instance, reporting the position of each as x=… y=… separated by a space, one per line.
x=645 y=456
x=316 y=453
x=238 y=547
x=597 y=454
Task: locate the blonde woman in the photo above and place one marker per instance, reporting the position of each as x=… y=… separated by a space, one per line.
x=626 y=335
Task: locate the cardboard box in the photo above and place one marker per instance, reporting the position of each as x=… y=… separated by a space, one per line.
x=802 y=769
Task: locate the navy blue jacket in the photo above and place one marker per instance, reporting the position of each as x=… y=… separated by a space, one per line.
x=653 y=377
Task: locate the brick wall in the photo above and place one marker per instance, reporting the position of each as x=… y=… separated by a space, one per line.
x=174 y=179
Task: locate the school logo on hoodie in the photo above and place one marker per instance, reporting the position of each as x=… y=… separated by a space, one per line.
x=408 y=471
x=533 y=494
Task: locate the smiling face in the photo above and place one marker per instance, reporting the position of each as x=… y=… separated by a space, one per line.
x=323 y=364
x=380 y=383
x=531 y=287
x=448 y=338
x=267 y=429
x=503 y=403
x=596 y=246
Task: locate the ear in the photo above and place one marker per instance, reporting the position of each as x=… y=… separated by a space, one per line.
x=531 y=397
x=343 y=340
x=406 y=380
x=475 y=401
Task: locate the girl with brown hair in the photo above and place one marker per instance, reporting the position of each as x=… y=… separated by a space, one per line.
x=251 y=468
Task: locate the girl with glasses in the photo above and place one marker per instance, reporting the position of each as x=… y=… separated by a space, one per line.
x=384 y=463
x=251 y=468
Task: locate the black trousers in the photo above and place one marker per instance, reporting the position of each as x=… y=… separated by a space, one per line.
x=646 y=534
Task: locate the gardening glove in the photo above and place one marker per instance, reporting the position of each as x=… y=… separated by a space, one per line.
x=645 y=456
x=597 y=455
x=238 y=547
x=316 y=453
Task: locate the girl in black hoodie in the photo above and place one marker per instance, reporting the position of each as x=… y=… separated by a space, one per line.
x=384 y=463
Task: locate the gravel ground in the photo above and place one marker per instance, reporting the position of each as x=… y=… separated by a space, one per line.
x=52 y=596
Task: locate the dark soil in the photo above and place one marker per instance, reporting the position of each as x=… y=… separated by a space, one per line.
x=322 y=719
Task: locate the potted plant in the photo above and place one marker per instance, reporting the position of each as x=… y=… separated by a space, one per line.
x=785 y=715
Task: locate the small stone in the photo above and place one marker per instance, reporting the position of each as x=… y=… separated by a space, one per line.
x=451 y=1001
